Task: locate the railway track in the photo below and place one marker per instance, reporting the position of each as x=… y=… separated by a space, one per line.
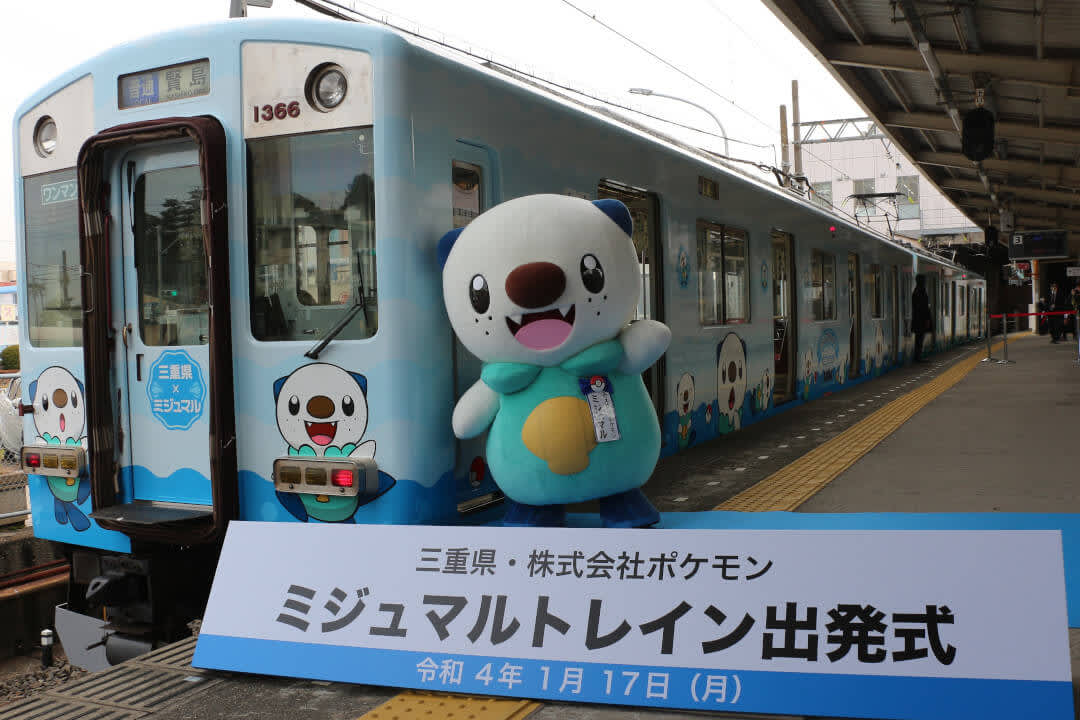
x=34 y=579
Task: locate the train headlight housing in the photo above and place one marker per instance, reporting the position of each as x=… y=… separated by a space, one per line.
x=66 y=461
x=45 y=136
x=342 y=477
x=326 y=87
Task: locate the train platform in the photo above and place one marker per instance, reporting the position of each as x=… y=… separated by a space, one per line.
x=952 y=435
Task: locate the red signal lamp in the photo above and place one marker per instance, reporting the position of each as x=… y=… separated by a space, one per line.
x=33 y=460
x=342 y=477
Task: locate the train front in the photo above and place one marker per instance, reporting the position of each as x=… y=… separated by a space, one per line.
x=216 y=327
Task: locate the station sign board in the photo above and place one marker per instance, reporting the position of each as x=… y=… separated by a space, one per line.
x=914 y=624
x=1072 y=271
x=1038 y=244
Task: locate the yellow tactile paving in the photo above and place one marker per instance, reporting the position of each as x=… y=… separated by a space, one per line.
x=785 y=489
x=440 y=706
x=794 y=484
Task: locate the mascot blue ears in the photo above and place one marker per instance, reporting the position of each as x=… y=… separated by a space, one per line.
x=360 y=380
x=614 y=209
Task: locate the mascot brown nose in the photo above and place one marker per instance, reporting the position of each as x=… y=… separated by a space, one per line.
x=320 y=406
x=59 y=398
x=535 y=285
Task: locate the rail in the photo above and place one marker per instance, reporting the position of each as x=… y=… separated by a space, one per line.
x=34 y=579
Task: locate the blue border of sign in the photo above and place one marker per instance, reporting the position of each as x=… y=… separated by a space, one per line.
x=844 y=695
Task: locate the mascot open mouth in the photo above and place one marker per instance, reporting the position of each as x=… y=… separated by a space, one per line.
x=542 y=330
x=63 y=422
x=685 y=408
x=731 y=399
x=321 y=433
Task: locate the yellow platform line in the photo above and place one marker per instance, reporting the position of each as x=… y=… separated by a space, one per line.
x=794 y=484
x=443 y=706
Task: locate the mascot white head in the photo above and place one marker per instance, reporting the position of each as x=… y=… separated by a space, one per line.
x=527 y=280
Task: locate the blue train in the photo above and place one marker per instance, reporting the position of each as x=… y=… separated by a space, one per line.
x=233 y=306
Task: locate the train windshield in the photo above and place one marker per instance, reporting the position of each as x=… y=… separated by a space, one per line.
x=312 y=235
x=54 y=289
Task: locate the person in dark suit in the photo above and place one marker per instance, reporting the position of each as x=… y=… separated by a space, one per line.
x=1055 y=302
x=920 y=315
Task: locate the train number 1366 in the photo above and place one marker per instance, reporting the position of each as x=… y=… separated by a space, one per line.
x=280 y=111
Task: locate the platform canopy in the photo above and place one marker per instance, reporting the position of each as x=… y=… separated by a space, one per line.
x=916 y=66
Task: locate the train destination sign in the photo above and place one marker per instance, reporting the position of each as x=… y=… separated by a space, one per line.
x=914 y=624
x=175 y=82
x=1039 y=244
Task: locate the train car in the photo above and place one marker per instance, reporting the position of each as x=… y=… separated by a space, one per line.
x=234 y=311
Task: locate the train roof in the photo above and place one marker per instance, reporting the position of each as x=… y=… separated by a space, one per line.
x=391 y=40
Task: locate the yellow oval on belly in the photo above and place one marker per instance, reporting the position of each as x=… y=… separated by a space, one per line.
x=560 y=432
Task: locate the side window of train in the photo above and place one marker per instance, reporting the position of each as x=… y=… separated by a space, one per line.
x=874 y=280
x=823 y=285
x=312 y=235
x=54 y=303
x=468 y=192
x=723 y=287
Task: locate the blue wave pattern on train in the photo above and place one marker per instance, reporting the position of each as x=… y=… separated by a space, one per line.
x=334 y=203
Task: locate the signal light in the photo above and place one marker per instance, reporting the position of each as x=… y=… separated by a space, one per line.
x=50 y=461
x=341 y=477
x=289 y=475
x=33 y=460
x=315 y=476
x=832 y=228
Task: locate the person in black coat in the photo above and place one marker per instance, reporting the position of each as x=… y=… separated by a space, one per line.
x=1055 y=302
x=920 y=315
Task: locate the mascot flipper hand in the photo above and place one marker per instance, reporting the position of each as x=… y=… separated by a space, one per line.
x=543 y=289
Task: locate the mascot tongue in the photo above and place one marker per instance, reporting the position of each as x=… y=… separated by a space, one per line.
x=543 y=334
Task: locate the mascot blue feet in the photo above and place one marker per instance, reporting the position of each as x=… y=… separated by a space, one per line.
x=543 y=289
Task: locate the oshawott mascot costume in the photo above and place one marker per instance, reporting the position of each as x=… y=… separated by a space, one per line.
x=542 y=289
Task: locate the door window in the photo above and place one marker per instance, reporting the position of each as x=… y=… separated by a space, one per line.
x=54 y=291
x=170 y=258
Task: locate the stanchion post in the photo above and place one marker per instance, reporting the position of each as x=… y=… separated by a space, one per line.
x=1005 y=339
x=1076 y=334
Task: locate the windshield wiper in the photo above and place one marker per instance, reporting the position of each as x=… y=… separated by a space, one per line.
x=357 y=306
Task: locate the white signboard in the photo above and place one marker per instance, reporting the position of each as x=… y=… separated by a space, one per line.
x=884 y=624
x=1072 y=271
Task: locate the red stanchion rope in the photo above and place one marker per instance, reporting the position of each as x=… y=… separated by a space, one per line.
x=1056 y=312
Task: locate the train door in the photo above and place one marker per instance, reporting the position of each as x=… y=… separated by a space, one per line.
x=855 y=315
x=895 y=299
x=784 y=324
x=952 y=311
x=644 y=208
x=472 y=192
x=166 y=325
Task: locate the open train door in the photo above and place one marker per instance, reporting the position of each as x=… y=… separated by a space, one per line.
x=785 y=342
x=644 y=209
x=157 y=349
x=855 y=315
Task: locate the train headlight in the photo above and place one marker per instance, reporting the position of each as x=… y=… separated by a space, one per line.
x=326 y=87
x=45 y=136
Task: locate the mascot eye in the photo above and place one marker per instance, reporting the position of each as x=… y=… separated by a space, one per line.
x=347 y=406
x=294 y=405
x=592 y=274
x=45 y=402
x=74 y=400
x=740 y=372
x=478 y=294
x=731 y=371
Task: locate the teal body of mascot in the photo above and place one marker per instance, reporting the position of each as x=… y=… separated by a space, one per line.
x=543 y=289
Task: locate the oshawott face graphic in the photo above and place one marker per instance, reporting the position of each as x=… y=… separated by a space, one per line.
x=59 y=407
x=322 y=410
x=684 y=394
x=731 y=376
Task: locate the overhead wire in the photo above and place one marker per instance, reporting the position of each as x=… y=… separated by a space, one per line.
x=782 y=177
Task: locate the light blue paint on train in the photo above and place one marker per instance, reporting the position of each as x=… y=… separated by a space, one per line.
x=427 y=115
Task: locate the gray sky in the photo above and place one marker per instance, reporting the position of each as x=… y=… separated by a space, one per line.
x=735 y=48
